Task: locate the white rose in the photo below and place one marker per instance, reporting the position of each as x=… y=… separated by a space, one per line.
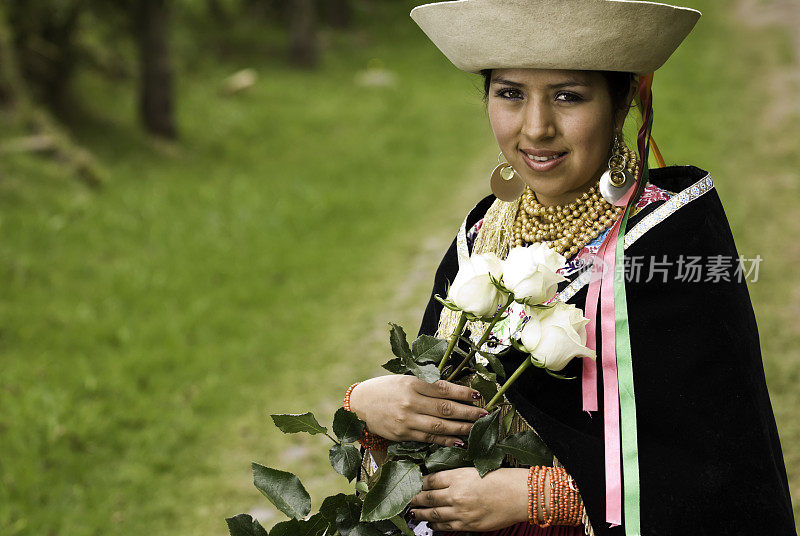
x=472 y=290
x=555 y=335
x=530 y=272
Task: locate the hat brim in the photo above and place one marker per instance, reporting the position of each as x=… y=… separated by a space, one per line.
x=599 y=35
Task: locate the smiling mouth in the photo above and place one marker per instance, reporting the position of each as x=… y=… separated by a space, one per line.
x=544 y=162
x=545 y=158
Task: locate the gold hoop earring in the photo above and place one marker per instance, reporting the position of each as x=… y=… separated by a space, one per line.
x=621 y=173
x=505 y=183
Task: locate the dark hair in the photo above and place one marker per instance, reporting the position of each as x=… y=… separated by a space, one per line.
x=619 y=84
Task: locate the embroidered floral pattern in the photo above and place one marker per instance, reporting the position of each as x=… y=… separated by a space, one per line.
x=651 y=194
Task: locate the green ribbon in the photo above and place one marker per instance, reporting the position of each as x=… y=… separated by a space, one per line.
x=627 y=400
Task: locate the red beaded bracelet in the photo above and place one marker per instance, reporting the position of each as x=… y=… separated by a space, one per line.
x=368 y=440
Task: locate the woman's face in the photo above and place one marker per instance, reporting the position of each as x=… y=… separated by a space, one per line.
x=562 y=116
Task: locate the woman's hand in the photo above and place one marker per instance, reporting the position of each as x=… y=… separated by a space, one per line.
x=460 y=500
x=405 y=408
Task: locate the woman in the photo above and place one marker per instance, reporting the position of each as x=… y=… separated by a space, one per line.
x=695 y=450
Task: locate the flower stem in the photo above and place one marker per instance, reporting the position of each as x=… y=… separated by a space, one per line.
x=462 y=321
x=484 y=338
x=499 y=396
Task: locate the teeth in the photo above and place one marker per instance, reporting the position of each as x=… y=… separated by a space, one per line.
x=543 y=158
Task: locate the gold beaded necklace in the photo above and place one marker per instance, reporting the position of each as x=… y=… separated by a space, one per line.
x=567 y=228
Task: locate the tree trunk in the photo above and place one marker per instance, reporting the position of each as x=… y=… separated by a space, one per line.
x=11 y=84
x=217 y=11
x=155 y=89
x=339 y=13
x=44 y=48
x=303 y=47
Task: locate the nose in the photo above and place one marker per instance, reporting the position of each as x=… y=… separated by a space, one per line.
x=539 y=121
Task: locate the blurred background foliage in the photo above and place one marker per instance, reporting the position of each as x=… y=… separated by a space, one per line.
x=210 y=209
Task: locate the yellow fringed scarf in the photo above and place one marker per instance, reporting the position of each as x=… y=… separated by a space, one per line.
x=495 y=236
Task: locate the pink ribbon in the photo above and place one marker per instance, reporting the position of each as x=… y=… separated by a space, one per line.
x=611 y=436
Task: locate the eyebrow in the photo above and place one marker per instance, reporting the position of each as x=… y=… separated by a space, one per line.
x=566 y=83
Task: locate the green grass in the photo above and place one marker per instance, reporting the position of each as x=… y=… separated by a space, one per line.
x=148 y=328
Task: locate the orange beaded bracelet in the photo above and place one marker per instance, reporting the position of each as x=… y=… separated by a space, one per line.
x=368 y=440
x=546 y=520
x=565 y=504
x=532 y=492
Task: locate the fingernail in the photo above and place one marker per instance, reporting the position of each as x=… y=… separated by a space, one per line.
x=459 y=443
x=412 y=514
x=484 y=413
x=476 y=395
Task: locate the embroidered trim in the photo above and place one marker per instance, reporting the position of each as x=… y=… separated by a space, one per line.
x=661 y=213
x=577 y=284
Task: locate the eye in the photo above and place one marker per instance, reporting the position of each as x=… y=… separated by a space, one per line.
x=509 y=93
x=566 y=96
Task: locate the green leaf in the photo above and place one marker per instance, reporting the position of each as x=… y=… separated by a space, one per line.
x=406 y=447
x=395 y=366
x=347 y=504
x=363 y=529
x=397 y=484
x=427 y=349
x=401 y=524
x=483 y=435
x=428 y=373
x=286 y=528
x=397 y=337
x=345 y=460
x=385 y=526
x=485 y=387
x=361 y=486
x=316 y=525
x=447 y=458
x=507 y=419
x=283 y=489
x=343 y=511
x=496 y=364
x=486 y=373
x=291 y=423
x=489 y=462
x=416 y=456
x=527 y=448
x=245 y=525
x=347 y=426
x=410 y=449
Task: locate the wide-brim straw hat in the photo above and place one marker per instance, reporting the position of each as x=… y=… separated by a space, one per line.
x=594 y=35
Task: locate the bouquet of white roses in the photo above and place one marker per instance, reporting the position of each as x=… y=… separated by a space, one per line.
x=485 y=287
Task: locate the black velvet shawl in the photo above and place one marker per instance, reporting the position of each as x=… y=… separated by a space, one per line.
x=709 y=455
